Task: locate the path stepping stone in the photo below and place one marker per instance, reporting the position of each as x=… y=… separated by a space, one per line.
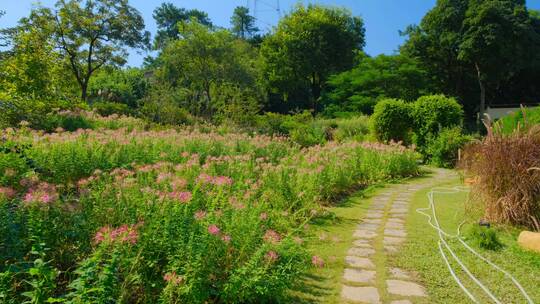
x=390 y=249
x=368 y=226
x=361 y=252
x=405 y=288
x=398 y=273
x=364 y=234
x=358 y=262
x=361 y=270
x=362 y=243
x=396 y=220
x=359 y=276
x=389 y=240
x=395 y=225
x=372 y=221
x=395 y=232
x=361 y=294
x=374 y=214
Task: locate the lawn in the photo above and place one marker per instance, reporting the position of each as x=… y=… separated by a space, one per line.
x=421 y=254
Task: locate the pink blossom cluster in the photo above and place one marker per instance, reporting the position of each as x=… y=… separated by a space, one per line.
x=214 y=230
x=214 y=180
x=173 y=278
x=181 y=196
x=7 y=192
x=271 y=236
x=122 y=234
x=43 y=192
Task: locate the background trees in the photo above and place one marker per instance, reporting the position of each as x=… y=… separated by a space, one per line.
x=475 y=48
x=307 y=46
x=168 y=17
x=243 y=24
x=205 y=64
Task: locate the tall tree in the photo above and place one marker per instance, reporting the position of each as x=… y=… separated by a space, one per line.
x=168 y=17
x=93 y=33
x=309 y=45
x=203 y=64
x=474 y=47
x=243 y=24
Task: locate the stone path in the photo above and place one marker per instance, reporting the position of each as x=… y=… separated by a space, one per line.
x=367 y=278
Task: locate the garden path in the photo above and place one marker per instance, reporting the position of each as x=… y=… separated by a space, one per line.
x=367 y=277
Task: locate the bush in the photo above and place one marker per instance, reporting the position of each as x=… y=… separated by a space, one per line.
x=109 y=108
x=391 y=120
x=166 y=113
x=353 y=128
x=485 y=238
x=507 y=168
x=442 y=149
x=432 y=113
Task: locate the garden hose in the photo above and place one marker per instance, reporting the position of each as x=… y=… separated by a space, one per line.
x=434 y=223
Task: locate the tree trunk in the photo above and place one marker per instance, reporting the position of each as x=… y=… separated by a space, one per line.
x=482 y=92
x=315 y=90
x=84 y=91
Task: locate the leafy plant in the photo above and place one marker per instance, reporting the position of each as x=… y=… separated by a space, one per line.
x=485 y=237
x=392 y=121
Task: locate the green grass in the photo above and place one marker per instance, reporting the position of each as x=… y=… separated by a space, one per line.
x=421 y=255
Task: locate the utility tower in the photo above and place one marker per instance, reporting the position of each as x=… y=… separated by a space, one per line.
x=265 y=12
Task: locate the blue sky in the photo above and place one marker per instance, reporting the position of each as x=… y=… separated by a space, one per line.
x=383 y=18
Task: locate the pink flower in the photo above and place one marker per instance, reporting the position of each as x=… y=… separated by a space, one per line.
x=183 y=197
x=263 y=216
x=199 y=215
x=7 y=192
x=173 y=278
x=272 y=236
x=317 y=261
x=226 y=238
x=222 y=180
x=45 y=198
x=122 y=234
x=213 y=229
x=271 y=256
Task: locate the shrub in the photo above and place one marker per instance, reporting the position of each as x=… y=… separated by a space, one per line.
x=442 y=149
x=353 y=128
x=508 y=172
x=485 y=238
x=391 y=120
x=166 y=113
x=108 y=108
x=431 y=114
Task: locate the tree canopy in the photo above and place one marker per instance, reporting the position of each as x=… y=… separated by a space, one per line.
x=308 y=45
x=243 y=24
x=168 y=17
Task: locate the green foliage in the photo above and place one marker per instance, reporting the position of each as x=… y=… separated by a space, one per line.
x=307 y=46
x=92 y=34
x=392 y=120
x=485 y=237
x=243 y=24
x=520 y=120
x=109 y=108
x=195 y=69
x=118 y=86
x=478 y=48
x=376 y=78
x=433 y=113
x=442 y=148
x=168 y=17
x=172 y=215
